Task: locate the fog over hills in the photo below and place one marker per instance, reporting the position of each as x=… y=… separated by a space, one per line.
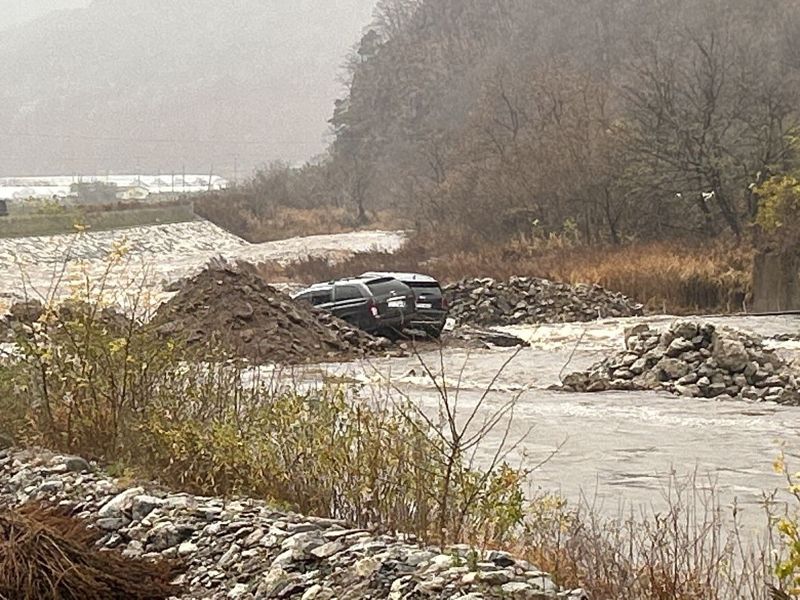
x=15 y=12
x=122 y=85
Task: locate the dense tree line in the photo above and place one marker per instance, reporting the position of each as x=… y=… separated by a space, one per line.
x=613 y=120
x=617 y=118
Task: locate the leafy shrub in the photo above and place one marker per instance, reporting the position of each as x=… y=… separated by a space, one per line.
x=779 y=210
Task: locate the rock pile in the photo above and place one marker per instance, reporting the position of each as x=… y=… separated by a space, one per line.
x=695 y=360
x=528 y=300
x=243 y=549
x=231 y=307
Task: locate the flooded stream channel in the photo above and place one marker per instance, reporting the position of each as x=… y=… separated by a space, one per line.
x=616 y=448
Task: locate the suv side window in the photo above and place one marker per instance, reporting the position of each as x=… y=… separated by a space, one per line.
x=319 y=297
x=348 y=292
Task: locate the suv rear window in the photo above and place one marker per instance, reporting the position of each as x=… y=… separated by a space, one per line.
x=384 y=287
x=428 y=288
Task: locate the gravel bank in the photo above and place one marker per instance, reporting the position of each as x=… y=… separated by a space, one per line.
x=244 y=549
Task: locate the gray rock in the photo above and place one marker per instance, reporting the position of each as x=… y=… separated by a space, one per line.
x=685 y=329
x=691 y=391
x=730 y=354
x=111 y=523
x=715 y=389
x=75 y=464
x=143 y=505
x=120 y=503
x=638 y=367
x=51 y=486
x=187 y=549
x=327 y=549
x=688 y=379
x=679 y=346
x=165 y=535
x=672 y=368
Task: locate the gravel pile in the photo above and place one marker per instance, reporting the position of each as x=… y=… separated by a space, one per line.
x=695 y=360
x=243 y=549
x=528 y=300
x=231 y=307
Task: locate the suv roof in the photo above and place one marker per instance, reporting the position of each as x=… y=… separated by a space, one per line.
x=362 y=281
x=415 y=277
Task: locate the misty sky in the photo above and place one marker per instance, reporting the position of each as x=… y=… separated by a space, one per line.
x=13 y=12
x=85 y=101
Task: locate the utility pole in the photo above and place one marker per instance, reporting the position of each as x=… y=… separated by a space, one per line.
x=235 y=170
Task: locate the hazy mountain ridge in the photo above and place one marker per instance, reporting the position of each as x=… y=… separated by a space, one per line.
x=258 y=77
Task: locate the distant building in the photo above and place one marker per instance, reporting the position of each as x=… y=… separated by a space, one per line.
x=62 y=186
x=133 y=192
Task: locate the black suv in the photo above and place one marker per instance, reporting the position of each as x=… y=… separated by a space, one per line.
x=431 y=306
x=374 y=304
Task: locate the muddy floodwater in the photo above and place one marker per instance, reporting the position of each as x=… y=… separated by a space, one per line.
x=617 y=448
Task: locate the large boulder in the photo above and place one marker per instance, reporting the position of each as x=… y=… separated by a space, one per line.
x=730 y=354
x=672 y=368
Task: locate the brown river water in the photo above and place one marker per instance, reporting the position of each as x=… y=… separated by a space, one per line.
x=616 y=449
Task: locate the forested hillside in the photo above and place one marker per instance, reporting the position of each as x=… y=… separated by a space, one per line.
x=612 y=119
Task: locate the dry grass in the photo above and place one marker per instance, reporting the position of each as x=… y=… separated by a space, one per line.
x=667 y=277
x=44 y=553
x=692 y=550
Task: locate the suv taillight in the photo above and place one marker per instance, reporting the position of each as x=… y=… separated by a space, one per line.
x=373 y=309
x=444 y=303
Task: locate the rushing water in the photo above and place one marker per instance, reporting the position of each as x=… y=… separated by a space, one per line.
x=618 y=447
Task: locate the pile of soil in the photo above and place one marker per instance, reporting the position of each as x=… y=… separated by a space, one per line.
x=231 y=308
x=45 y=553
x=530 y=300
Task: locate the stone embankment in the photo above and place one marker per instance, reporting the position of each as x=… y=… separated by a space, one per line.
x=244 y=549
x=694 y=360
x=529 y=300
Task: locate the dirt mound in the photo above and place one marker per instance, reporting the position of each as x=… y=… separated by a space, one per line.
x=230 y=308
x=529 y=300
x=46 y=554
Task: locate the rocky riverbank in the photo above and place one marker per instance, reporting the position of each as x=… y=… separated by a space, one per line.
x=244 y=549
x=529 y=300
x=694 y=360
